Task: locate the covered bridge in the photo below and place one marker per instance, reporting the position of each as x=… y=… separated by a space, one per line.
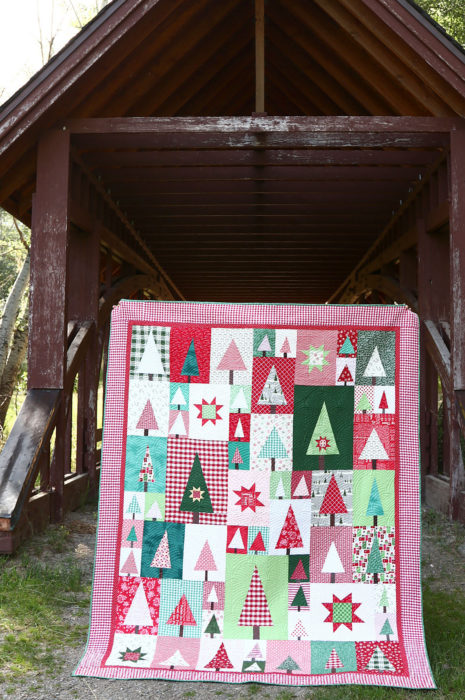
x=297 y=151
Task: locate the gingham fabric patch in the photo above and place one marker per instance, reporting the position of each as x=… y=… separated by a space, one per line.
x=259 y=508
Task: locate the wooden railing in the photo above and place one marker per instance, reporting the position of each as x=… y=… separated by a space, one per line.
x=43 y=470
x=50 y=462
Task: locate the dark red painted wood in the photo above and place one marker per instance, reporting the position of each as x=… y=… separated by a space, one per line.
x=49 y=259
x=280 y=131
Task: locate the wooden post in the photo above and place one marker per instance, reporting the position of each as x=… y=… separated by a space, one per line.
x=83 y=304
x=260 y=56
x=49 y=256
x=428 y=411
x=457 y=312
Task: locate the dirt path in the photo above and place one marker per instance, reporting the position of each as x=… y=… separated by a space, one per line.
x=443 y=565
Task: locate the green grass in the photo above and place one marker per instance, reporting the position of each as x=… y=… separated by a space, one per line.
x=33 y=600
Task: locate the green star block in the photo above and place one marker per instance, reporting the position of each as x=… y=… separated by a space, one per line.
x=342 y=612
x=316 y=358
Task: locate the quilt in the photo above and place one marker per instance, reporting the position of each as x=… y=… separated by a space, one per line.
x=259 y=514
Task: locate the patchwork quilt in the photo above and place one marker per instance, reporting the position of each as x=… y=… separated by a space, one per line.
x=259 y=502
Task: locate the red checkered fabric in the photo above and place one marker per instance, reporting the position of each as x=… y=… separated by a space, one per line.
x=213 y=457
x=255 y=612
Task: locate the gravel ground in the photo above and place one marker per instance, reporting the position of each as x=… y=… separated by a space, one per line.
x=443 y=565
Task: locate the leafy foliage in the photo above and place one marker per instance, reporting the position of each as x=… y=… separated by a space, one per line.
x=449 y=14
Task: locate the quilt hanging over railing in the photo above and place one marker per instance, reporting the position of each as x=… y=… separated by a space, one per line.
x=259 y=505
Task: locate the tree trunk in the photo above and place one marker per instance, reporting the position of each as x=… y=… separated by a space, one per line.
x=321 y=462
x=332 y=520
x=256 y=632
x=181 y=630
x=11 y=310
x=195 y=517
x=10 y=373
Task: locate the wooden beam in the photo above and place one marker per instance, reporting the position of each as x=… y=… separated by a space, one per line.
x=355 y=28
x=171 y=158
x=259 y=56
x=391 y=287
x=49 y=256
x=415 y=191
x=439 y=353
x=367 y=70
x=437 y=496
x=227 y=126
x=18 y=458
x=297 y=65
x=127 y=224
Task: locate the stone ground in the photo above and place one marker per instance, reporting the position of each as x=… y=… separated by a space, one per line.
x=443 y=565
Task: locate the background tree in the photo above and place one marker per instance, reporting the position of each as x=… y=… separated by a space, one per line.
x=53 y=29
x=14 y=281
x=449 y=14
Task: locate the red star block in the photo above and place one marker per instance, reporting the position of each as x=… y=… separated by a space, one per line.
x=323 y=443
x=248 y=498
x=216 y=408
x=341 y=613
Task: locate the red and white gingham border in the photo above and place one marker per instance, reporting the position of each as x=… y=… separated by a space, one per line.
x=409 y=490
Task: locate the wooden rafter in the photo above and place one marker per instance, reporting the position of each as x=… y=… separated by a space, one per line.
x=259 y=56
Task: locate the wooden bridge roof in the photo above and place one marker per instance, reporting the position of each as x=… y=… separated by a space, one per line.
x=235 y=213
